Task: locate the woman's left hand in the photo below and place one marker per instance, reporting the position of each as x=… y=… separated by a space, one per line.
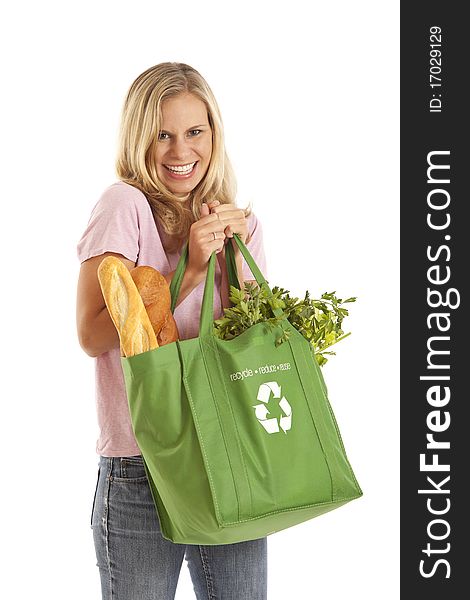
x=233 y=219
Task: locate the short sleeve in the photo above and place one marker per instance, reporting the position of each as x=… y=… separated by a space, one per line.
x=113 y=225
x=256 y=247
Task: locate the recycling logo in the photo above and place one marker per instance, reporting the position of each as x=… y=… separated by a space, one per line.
x=266 y=392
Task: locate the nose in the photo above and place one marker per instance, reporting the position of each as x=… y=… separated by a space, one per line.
x=180 y=147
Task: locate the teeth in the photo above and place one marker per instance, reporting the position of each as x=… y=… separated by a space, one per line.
x=183 y=169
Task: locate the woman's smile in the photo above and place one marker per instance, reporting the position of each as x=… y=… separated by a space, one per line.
x=182 y=171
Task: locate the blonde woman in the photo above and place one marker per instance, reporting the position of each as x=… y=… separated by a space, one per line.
x=175 y=184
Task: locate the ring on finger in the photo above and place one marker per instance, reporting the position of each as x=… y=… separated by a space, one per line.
x=215 y=235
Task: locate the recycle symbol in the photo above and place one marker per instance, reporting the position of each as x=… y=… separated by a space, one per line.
x=272 y=424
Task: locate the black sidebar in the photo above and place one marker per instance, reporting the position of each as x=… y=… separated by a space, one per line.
x=435 y=331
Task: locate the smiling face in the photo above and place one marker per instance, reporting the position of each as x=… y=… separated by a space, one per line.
x=184 y=145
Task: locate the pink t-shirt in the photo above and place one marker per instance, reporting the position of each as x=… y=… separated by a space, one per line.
x=122 y=222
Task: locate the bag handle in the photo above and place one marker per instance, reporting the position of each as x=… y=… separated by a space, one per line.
x=207 y=308
x=178 y=275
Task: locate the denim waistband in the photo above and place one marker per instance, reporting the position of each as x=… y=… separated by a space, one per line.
x=118 y=466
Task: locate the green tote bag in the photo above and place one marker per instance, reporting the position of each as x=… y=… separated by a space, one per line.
x=237 y=436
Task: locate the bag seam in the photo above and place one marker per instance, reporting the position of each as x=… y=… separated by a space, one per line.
x=295 y=509
x=203 y=449
x=219 y=363
x=333 y=418
x=313 y=419
x=342 y=445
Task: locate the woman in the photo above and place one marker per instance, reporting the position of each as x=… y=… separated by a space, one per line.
x=175 y=184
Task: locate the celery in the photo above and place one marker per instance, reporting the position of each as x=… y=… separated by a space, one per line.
x=319 y=321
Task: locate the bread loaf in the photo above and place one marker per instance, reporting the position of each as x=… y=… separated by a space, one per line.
x=126 y=307
x=169 y=332
x=155 y=293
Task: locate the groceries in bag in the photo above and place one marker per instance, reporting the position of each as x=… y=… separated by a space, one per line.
x=138 y=302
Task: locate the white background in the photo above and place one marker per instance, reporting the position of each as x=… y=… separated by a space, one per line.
x=309 y=98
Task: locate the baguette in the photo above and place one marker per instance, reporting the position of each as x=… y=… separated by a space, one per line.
x=155 y=293
x=126 y=308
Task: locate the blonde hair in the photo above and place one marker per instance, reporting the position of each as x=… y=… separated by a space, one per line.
x=138 y=135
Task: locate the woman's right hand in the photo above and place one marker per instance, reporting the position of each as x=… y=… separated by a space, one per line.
x=201 y=239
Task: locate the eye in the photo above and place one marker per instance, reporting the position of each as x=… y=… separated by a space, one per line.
x=193 y=132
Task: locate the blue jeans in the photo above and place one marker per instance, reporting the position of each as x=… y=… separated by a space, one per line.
x=137 y=563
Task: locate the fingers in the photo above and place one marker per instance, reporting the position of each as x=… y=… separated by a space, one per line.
x=235 y=225
x=207 y=223
x=228 y=211
x=226 y=218
x=208 y=231
x=206 y=215
x=232 y=219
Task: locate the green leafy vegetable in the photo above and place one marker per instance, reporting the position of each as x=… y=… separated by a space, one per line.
x=319 y=321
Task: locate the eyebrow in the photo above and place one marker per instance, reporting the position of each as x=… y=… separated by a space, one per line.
x=189 y=129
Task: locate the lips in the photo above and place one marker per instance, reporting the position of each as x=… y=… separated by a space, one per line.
x=181 y=173
x=182 y=169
